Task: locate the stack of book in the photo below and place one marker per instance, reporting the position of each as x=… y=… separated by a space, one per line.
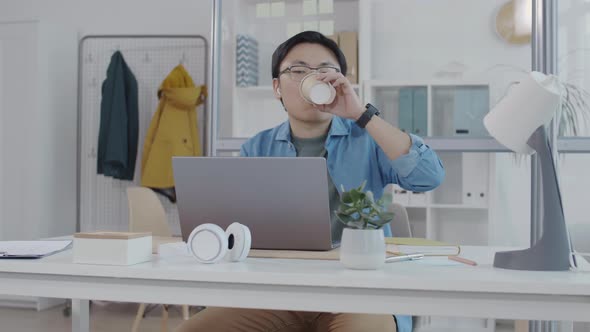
x=408 y=245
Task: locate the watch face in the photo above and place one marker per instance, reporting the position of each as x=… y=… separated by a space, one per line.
x=373 y=110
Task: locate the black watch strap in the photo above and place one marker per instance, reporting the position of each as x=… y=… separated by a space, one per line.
x=370 y=110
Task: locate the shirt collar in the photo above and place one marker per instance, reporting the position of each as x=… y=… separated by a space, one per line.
x=338 y=127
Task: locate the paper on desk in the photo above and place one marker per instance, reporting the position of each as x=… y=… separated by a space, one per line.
x=31 y=249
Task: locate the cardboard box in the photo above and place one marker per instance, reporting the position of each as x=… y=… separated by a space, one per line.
x=348 y=43
x=333 y=37
x=112 y=248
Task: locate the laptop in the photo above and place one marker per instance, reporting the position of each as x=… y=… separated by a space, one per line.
x=283 y=200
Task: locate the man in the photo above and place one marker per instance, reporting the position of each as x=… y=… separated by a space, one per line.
x=358 y=145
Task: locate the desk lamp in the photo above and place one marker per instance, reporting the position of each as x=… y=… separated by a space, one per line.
x=518 y=122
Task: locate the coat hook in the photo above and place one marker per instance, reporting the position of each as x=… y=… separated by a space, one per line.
x=183 y=59
x=89 y=58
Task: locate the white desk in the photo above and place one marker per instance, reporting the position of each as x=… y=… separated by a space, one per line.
x=413 y=288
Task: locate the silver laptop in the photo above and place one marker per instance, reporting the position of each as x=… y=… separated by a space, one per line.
x=284 y=201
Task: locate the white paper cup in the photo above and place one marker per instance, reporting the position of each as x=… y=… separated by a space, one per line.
x=316 y=92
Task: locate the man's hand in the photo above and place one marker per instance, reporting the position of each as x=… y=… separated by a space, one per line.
x=347 y=104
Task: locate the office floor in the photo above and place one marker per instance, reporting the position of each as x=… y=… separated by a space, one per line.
x=112 y=317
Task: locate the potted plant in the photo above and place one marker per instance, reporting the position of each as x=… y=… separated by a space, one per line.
x=363 y=243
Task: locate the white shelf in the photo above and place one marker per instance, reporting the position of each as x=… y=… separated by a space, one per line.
x=268 y=88
x=434 y=83
x=254 y=88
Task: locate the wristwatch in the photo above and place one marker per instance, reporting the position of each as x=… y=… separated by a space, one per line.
x=370 y=110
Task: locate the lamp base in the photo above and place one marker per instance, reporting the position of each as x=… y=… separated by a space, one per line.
x=537 y=258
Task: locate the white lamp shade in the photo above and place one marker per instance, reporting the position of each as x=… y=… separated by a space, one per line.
x=528 y=105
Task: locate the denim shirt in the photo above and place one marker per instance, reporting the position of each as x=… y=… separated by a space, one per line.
x=353 y=157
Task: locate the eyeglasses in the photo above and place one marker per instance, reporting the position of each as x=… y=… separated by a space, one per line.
x=298 y=72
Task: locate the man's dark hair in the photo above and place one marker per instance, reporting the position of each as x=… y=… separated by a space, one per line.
x=312 y=37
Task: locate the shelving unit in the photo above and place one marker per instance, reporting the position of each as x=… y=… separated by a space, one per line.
x=268 y=89
x=465 y=192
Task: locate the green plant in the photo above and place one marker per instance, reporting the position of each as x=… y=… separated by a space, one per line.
x=359 y=210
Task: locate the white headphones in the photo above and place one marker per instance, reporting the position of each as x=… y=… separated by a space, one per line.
x=208 y=243
x=279 y=91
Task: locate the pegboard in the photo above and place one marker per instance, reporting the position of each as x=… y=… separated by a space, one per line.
x=102 y=201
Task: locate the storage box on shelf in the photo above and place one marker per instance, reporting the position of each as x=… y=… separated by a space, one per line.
x=403 y=106
x=458 y=110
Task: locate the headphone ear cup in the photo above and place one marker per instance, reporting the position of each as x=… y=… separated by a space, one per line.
x=207 y=243
x=279 y=91
x=239 y=240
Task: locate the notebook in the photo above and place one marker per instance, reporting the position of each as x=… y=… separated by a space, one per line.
x=31 y=249
x=405 y=245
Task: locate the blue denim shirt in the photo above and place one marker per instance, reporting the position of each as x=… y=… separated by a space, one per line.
x=353 y=157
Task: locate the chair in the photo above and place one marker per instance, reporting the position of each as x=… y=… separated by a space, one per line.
x=400 y=225
x=146 y=214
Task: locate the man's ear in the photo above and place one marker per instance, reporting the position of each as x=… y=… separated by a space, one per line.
x=276 y=88
x=277 y=91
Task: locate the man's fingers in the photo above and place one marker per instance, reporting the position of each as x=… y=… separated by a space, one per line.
x=340 y=81
x=329 y=77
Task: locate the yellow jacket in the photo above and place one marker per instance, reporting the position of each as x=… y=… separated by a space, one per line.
x=173 y=130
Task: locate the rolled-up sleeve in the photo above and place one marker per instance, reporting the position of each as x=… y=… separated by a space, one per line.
x=419 y=170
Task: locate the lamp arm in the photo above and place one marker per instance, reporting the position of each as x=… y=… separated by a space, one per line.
x=555 y=238
x=552 y=252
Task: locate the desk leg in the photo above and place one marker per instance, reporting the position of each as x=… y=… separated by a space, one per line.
x=80 y=315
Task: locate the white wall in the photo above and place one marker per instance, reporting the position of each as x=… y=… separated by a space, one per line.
x=417 y=38
x=18 y=128
x=61 y=24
